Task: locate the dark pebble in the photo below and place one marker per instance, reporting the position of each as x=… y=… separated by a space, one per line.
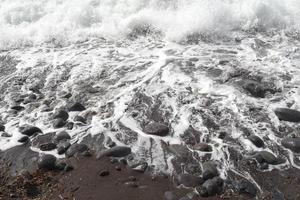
x=61 y=114
x=29 y=130
x=292 y=144
x=79 y=119
x=256 y=141
x=62 y=136
x=117 y=151
x=287 y=114
x=60 y=165
x=245 y=187
x=157 y=129
x=77 y=107
x=68 y=168
x=17 y=108
x=59 y=123
x=70 y=125
x=213 y=186
x=47 y=162
x=47 y=146
x=76 y=148
x=23 y=139
x=4 y=134
x=209 y=170
x=2 y=127
x=202 y=147
x=267 y=157
x=104 y=173
x=255 y=89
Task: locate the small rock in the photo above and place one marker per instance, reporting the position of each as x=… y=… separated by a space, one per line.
x=68 y=168
x=180 y=151
x=63 y=135
x=213 y=186
x=118 y=168
x=70 y=125
x=209 y=170
x=255 y=89
x=76 y=148
x=287 y=114
x=17 y=108
x=79 y=119
x=189 y=180
x=77 y=107
x=292 y=144
x=104 y=173
x=23 y=139
x=140 y=167
x=62 y=147
x=4 y=134
x=267 y=157
x=59 y=123
x=202 y=147
x=29 y=130
x=245 y=187
x=157 y=129
x=117 y=151
x=47 y=146
x=61 y=114
x=47 y=162
x=170 y=195
x=61 y=165
x=2 y=127
x=256 y=141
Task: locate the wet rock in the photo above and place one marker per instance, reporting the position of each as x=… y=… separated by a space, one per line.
x=76 y=148
x=68 y=168
x=79 y=119
x=61 y=114
x=17 y=108
x=267 y=157
x=211 y=187
x=170 y=195
x=117 y=151
x=180 y=151
x=104 y=173
x=59 y=123
x=2 y=127
x=47 y=146
x=60 y=165
x=41 y=139
x=209 y=170
x=77 y=107
x=245 y=187
x=62 y=136
x=29 y=130
x=255 y=89
x=292 y=144
x=157 y=129
x=47 y=162
x=202 y=147
x=140 y=167
x=287 y=114
x=256 y=141
x=23 y=139
x=4 y=134
x=70 y=125
x=189 y=180
x=62 y=147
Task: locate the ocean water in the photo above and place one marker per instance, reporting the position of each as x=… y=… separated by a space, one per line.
x=181 y=62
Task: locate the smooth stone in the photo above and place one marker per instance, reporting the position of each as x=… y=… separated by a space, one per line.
x=202 y=147
x=77 y=107
x=267 y=157
x=47 y=162
x=292 y=144
x=63 y=135
x=2 y=127
x=117 y=151
x=170 y=195
x=245 y=187
x=255 y=89
x=287 y=114
x=104 y=173
x=61 y=114
x=29 y=130
x=41 y=139
x=209 y=170
x=79 y=119
x=213 y=186
x=76 y=148
x=59 y=123
x=62 y=147
x=189 y=180
x=47 y=146
x=157 y=129
x=180 y=151
x=23 y=139
x=70 y=125
x=17 y=108
x=256 y=141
